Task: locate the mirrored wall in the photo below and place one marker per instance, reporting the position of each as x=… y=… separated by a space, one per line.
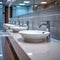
x=1 y=17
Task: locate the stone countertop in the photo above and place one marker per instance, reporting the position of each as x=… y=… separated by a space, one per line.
x=37 y=51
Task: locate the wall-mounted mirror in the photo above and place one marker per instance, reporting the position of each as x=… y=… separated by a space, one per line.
x=21 y=7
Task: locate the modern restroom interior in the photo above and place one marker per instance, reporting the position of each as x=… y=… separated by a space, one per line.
x=29 y=29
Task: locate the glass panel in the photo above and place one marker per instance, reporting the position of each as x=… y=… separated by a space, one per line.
x=1 y=17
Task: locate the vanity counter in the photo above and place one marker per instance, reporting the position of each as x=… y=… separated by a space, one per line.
x=34 y=51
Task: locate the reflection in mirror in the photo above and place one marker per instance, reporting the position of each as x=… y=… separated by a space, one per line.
x=27 y=7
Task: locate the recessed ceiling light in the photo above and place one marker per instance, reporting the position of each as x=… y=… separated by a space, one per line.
x=43 y=3
x=8 y=0
x=0 y=2
x=26 y=1
x=21 y=4
x=11 y=0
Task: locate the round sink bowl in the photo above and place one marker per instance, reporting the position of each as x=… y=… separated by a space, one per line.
x=8 y=26
x=17 y=28
x=34 y=35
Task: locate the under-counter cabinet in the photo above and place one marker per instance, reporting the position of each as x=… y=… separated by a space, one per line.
x=12 y=51
x=8 y=51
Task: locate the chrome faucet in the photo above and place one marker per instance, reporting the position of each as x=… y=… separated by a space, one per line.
x=47 y=24
x=19 y=22
x=28 y=25
x=42 y=24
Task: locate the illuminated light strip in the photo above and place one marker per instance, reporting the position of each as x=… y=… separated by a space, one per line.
x=26 y=1
x=21 y=4
x=8 y=0
x=43 y=3
x=11 y=0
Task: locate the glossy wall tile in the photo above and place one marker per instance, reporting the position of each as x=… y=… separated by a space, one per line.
x=39 y=17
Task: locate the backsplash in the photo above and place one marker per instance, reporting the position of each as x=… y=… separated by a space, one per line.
x=39 y=17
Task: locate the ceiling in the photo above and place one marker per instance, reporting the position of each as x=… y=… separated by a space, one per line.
x=0 y=0
x=31 y=1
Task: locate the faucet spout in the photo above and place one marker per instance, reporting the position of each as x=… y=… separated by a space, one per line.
x=42 y=24
x=18 y=22
x=28 y=25
x=47 y=24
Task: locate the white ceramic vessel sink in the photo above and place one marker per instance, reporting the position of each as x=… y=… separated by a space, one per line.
x=17 y=28
x=8 y=25
x=34 y=35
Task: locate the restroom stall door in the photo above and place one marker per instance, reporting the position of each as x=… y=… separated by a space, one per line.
x=1 y=17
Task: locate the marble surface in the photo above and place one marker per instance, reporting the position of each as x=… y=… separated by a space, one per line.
x=38 y=51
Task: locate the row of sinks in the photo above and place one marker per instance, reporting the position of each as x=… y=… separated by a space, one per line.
x=15 y=28
x=29 y=35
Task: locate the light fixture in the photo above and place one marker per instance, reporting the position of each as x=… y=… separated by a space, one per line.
x=26 y=1
x=0 y=2
x=21 y=4
x=11 y=0
x=43 y=3
x=35 y=5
